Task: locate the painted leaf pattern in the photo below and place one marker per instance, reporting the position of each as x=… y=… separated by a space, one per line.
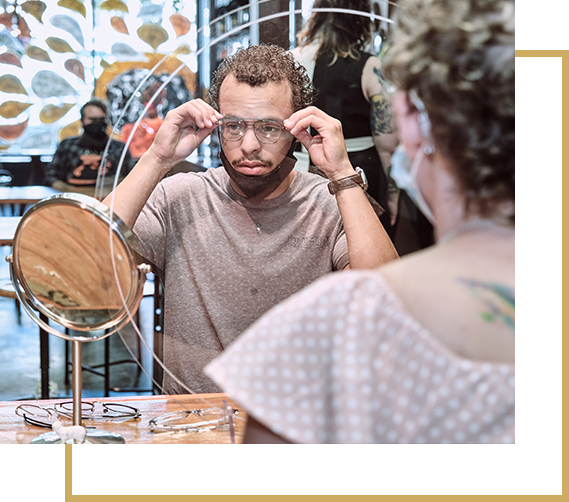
x=52 y=113
x=12 y=85
x=11 y=109
x=152 y=34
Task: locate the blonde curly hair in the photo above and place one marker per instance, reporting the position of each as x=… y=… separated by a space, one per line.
x=458 y=56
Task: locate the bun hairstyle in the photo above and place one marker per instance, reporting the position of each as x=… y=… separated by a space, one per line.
x=458 y=57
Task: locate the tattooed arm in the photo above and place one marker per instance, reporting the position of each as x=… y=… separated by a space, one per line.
x=383 y=125
x=382 y=118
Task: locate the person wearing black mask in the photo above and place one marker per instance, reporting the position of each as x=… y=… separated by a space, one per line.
x=76 y=164
x=232 y=242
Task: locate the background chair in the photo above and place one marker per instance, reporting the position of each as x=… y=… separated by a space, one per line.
x=152 y=289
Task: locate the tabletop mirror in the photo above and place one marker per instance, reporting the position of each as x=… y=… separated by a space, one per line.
x=77 y=263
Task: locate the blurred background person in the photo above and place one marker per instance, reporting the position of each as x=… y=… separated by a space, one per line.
x=77 y=160
x=146 y=131
x=422 y=349
x=349 y=86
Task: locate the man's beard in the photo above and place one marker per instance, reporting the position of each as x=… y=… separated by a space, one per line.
x=257 y=187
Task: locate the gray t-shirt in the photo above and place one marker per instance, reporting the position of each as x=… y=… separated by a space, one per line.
x=226 y=261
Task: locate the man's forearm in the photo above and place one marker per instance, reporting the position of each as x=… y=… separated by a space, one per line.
x=130 y=196
x=369 y=246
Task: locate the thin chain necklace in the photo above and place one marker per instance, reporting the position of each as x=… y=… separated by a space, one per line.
x=470 y=225
x=258 y=225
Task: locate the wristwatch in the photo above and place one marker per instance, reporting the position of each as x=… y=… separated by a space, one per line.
x=358 y=179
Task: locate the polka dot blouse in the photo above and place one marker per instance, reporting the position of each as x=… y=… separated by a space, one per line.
x=342 y=362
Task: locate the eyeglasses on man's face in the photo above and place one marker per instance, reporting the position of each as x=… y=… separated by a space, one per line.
x=266 y=130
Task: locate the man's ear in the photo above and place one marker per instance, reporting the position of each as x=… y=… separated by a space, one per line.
x=409 y=129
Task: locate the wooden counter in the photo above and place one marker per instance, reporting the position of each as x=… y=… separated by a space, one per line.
x=13 y=429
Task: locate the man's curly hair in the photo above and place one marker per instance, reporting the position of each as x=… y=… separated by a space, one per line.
x=458 y=55
x=258 y=65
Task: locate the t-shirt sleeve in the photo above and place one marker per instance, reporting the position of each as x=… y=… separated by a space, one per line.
x=151 y=227
x=340 y=258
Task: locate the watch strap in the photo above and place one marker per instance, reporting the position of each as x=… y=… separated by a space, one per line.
x=357 y=179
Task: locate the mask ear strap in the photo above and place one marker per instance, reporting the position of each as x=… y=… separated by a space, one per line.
x=219 y=140
x=424 y=122
x=290 y=152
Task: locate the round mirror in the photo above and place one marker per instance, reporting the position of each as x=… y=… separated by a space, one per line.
x=76 y=262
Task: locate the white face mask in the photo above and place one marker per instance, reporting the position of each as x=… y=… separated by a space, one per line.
x=404 y=173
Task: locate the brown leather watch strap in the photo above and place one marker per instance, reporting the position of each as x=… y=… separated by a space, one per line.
x=355 y=180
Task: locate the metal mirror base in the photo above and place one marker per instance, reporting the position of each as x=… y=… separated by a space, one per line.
x=94 y=436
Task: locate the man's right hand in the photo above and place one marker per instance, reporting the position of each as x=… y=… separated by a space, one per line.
x=182 y=131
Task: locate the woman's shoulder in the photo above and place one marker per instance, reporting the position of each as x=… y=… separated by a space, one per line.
x=464 y=298
x=487 y=256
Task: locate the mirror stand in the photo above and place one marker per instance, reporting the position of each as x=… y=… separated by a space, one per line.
x=93 y=436
x=77 y=264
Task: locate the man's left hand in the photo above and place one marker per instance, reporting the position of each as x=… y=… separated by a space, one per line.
x=327 y=149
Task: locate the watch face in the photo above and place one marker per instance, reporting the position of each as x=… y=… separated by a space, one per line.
x=361 y=172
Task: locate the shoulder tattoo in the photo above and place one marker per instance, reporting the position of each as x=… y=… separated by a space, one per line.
x=498 y=301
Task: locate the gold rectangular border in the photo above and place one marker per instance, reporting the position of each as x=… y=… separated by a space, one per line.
x=69 y=497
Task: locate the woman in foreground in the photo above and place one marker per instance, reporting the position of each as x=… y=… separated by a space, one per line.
x=420 y=350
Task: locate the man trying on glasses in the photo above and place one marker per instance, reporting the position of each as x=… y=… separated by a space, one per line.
x=231 y=243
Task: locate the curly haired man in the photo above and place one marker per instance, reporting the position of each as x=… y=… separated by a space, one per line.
x=230 y=243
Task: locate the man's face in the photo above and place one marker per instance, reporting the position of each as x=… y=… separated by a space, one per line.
x=92 y=113
x=273 y=101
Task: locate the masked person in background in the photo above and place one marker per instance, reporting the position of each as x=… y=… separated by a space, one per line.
x=422 y=349
x=76 y=163
x=232 y=242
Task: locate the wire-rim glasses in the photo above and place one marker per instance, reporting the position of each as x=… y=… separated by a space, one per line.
x=266 y=130
x=176 y=421
x=43 y=416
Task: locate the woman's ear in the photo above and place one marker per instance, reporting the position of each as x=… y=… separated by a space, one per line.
x=407 y=122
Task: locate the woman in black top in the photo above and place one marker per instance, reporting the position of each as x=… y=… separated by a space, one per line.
x=349 y=87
